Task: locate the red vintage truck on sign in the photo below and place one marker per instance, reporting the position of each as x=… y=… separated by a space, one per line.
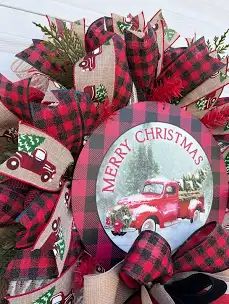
x=160 y=203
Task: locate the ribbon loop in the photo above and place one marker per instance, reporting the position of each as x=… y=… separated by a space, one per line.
x=149 y=260
x=206 y=250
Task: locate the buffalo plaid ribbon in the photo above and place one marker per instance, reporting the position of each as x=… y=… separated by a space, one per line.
x=63 y=122
x=41 y=263
x=34 y=217
x=11 y=204
x=97 y=34
x=193 y=66
x=142 y=56
x=38 y=55
x=15 y=96
x=150 y=273
x=150 y=260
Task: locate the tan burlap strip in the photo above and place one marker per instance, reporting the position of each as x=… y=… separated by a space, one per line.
x=208 y=86
x=106 y=288
x=59 y=289
x=99 y=70
x=220 y=131
x=192 y=108
x=60 y=223
x=39 y=155
x=156 y=22
x=139 y=32
x=8 y=119
x=169 y=35
x=49 y=97
x=116 y=19
x=20 y=287
x=79 y=28
x=160 y=295
x=145 y=297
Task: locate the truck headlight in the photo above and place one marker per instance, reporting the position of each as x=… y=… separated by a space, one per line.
x=134 y=217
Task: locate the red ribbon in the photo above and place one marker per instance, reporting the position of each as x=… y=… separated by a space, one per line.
x=150 y=260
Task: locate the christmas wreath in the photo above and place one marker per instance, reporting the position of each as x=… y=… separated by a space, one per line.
x=69 y=83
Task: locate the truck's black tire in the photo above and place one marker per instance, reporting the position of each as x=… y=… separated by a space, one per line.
x=149 y=224
x=45 y=177
x=115 y=233
x=13 y=163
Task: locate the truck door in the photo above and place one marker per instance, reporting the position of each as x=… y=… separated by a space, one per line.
x=170 y=203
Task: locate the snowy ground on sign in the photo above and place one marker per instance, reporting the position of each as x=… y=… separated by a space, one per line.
x=175 y=234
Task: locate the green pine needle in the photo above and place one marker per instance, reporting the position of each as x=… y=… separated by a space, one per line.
x=209 y=46
x=219 y=44
x=68 y=45
x=68 y=49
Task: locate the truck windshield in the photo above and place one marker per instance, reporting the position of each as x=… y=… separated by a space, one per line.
x=40 y=155
x=153 y=188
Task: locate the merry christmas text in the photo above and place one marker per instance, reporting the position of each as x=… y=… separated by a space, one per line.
x=141 y=136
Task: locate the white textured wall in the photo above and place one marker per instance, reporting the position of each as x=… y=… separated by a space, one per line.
x=205 y=17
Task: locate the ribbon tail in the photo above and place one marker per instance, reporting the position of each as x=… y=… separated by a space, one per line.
x=145 y=297
x=106 y=288
x=160 y=295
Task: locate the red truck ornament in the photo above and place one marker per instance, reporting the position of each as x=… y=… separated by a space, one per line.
x=160 y=203
x=88 y=62
x=61 y=299
x=36 y=162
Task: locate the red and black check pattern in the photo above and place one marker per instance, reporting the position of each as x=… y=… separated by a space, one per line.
x=30 y=265
x=148 y=260
x=11 y=204
x=63 y=122
x=142 y=55
x=75 y=249
x=206 y=250
x=89 y=112
x=193 y=67
x=35 y=216
x=30 y=196
x=171 y=55
x=17 y=185
x=73 y=118
x=40 y=263
x=14 y=96
x=85 y=177
x=123 y=80
x=97 y=35
x=38 y=55
x=109 y=24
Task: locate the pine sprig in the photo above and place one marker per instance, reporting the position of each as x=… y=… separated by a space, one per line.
x=219 y=44
x=66 y=48
x=219 y=41
x=68 y=45
x=209 y=45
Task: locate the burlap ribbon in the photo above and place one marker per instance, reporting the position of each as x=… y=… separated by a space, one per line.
x=36 y=162
x=60 y=136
